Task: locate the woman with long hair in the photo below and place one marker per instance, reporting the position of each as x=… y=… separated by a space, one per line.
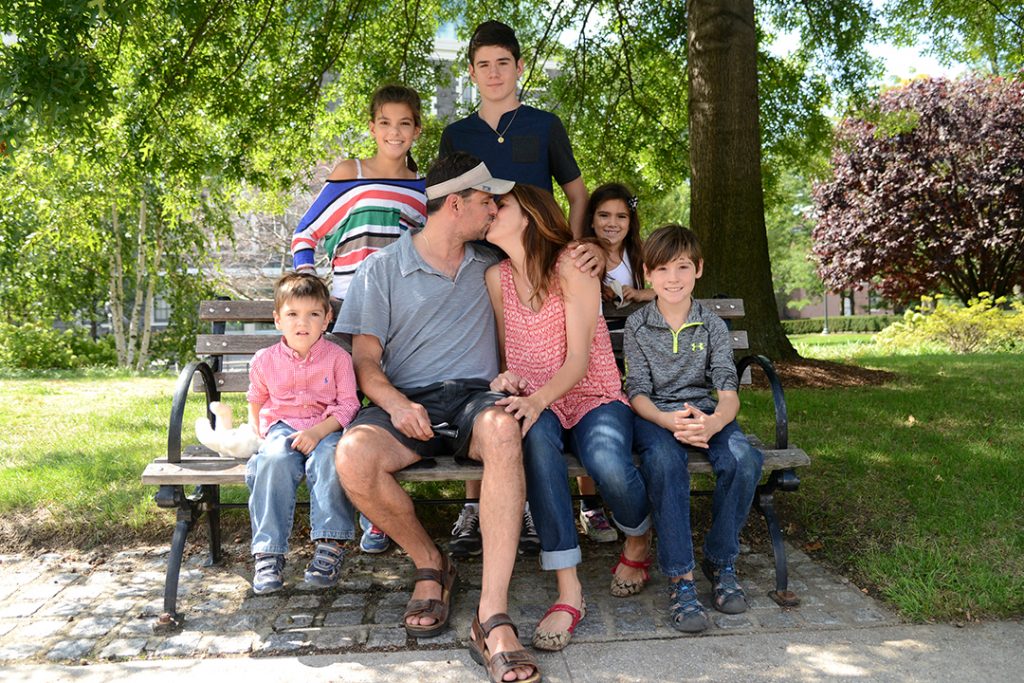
x=564 y=386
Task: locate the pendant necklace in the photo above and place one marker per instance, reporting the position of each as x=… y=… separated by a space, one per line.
x=501 y=135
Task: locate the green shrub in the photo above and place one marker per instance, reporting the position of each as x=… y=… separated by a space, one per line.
x=984 y=325
x=36 y=346
x=91 y=352
x=846 y=323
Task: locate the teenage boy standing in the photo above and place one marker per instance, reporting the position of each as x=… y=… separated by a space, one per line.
x=527 y=145
x=515 y=140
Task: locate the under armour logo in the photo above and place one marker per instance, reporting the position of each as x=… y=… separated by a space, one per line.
x=697 y=346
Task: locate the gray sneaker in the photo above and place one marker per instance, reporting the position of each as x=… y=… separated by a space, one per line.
x=529 y=542
x=269 y=574
x=729 y=595
x=688 y=615
x=324 y=569
x=597 y=527
x=466 y=539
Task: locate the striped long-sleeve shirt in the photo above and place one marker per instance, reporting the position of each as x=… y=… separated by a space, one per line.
x=353 y=219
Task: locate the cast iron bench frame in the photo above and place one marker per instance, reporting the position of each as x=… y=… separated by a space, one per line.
x=207 y=472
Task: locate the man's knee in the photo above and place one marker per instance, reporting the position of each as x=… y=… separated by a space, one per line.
x=497 y=433
x=354 y=458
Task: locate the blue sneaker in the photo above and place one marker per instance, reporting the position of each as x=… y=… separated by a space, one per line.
x=729 y=595
x=269 y=574
x=374 y=540
x=688 y=615
x=324 y=569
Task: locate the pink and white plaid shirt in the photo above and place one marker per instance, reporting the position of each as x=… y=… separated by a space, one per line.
x=303 y=391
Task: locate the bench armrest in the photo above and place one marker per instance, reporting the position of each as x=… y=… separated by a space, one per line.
x=781 y=414
x=181 y=392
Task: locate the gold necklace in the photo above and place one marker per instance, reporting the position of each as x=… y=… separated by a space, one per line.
x=501 y=135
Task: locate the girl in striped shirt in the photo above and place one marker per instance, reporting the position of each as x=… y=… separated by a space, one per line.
x=366 y=204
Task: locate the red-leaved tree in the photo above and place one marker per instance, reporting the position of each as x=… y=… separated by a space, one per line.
x=929 y=193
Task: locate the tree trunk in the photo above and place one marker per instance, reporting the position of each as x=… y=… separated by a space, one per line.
x=727 y=199
x=147 y=310
x=116 y=289
x=136 y=320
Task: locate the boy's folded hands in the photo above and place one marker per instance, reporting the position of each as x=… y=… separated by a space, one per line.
x=694 y=427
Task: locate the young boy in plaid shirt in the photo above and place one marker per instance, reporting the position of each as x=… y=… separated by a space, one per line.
x=302 y=393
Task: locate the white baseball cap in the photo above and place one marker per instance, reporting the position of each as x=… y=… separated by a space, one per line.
x=476 y=178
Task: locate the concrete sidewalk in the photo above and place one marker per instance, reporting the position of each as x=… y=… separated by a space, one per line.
x=90 y=618
x=979 y=653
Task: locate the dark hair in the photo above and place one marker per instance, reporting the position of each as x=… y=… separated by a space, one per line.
x=301 y=286
x=446 y=168
x=546 y=234
x=632 y=243
x=494 y=33
x=393 y=93
x=670 y=242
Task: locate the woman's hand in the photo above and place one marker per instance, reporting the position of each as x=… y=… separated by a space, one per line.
x=588 y=257
x=509 y=382
x=524 y=408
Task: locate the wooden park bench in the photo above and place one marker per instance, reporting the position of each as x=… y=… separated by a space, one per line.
x=204 y=472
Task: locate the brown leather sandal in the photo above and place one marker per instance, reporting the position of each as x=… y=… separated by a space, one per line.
x=437 y=609
x=499 y=664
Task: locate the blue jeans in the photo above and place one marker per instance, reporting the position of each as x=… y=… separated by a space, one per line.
x=663 y=460
x=603 y=442
x=273 y=476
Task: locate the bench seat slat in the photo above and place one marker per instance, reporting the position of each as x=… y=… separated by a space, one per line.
x=199 y=465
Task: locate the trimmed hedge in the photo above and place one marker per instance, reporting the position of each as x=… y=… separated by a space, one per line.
x=844 y=323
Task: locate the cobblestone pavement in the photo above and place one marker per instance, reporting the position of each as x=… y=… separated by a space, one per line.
x=91 y=608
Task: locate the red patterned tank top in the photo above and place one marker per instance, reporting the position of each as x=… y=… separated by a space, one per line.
x=535 y=348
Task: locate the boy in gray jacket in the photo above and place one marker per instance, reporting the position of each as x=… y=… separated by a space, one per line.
x=677 y=352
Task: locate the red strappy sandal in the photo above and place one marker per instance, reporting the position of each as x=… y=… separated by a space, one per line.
x=553 y=641
x=623 y=589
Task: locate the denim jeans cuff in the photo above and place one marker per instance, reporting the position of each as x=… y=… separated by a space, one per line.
x=638 y=530
x=329 y=535
x=560 y=559
x=269 y=549
x=672 y=572
x=720 y=562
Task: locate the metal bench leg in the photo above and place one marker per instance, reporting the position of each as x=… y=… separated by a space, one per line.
x=764 y=501
x=211 y=504
x=188 y=512
x=170 y=619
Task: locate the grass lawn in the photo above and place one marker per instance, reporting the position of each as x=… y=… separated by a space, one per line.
x=914 y=487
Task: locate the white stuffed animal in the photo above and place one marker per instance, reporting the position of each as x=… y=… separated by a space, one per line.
x=240 y=443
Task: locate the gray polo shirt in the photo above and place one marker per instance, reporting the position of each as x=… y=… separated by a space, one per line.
x=672 y=367
x=432 y=328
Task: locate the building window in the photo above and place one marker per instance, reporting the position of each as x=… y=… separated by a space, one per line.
x=161 y=312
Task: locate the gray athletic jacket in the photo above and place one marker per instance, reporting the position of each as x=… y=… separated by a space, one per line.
x=672 y=367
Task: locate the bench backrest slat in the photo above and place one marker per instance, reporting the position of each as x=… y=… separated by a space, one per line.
x=235 y=378
x=262 y=310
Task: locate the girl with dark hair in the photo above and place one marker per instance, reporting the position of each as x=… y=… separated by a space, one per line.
x=366 y=204
x=611 y=217
x=564 y=386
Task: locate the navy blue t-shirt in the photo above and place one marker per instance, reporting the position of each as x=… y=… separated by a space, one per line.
x=536 y=146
